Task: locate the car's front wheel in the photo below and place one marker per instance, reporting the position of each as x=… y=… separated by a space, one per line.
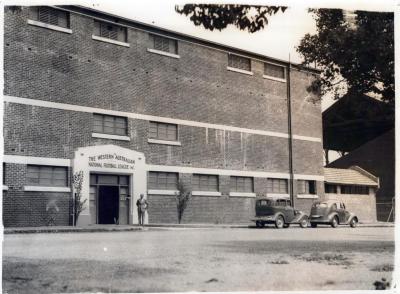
x=304 y=223
x=260 y=224
x=334 y=222
x=279 y=222
x=353 y=222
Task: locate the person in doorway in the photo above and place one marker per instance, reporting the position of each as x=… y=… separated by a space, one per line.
x=141 y=207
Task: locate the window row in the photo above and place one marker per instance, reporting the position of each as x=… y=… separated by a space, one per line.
x=119 y=33
x=38 y=175
x=346 y=189
x=117 y=125
x=204 y=182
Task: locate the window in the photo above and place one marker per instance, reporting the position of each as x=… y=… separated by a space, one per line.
x=107 y=124
x=277 y=186
x=163 y=131
x=239 y=62
x=163 y=181
x=242 y=184
x=305 y=187
x=329 y=188
x=104 y=179
x=275 y=71
x=110 y=31
x=205 y=182
x=353 y=189
x=50 y=15
x=38 y=175
x=164 y=44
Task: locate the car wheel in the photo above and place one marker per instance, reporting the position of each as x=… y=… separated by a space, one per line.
x=279 y=222
x=304 y=223
x=260 y=224
x=353 y=222
x=334 y=222
x=313 y=225
x=286 y=226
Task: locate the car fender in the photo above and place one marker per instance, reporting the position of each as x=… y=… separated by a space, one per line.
x=352 y=215
x=298 y=218
x=278 y=214
x=332 y=215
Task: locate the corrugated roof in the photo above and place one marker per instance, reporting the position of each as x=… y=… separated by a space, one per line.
x=348 y=176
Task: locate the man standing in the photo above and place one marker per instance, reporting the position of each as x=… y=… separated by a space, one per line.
x=141 y=207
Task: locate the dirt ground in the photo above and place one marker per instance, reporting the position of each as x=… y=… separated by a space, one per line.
x=174 y=260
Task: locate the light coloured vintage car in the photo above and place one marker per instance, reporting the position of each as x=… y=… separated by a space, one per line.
x=332 y=213
x=278 y=212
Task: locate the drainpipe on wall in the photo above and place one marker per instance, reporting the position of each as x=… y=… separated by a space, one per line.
x=290 y=141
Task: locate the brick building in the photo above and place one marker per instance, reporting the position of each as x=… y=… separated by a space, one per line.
x=135 y=109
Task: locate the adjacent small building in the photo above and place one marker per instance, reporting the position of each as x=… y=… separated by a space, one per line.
x=356 y=188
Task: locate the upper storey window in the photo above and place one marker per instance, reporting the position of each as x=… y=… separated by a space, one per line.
x=50 y=18
x=108 y=124
x=112 y=33
x=274 y=71
x=163 y=45
x=239 y=63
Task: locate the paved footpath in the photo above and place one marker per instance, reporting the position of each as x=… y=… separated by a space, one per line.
x=116 y=228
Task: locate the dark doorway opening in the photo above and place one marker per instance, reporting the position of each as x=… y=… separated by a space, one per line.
x=108 y=206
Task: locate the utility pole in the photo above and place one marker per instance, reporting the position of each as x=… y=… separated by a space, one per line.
x=290 y=141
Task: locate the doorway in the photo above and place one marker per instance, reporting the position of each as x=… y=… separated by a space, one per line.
x=109 y=199
x=108 y=204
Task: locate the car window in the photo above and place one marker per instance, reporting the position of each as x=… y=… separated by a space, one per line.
x=264 y=203
x=321 y=205
x=288 y=203
x=334 y=206
x=281 y=202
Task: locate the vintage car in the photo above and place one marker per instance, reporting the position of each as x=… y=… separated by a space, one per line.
x=331 y=212
x=279 y=212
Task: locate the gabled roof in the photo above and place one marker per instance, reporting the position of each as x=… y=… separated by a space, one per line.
x=354 y=120
x=352 y=176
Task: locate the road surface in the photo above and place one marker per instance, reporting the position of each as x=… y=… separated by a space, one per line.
x=218 y=259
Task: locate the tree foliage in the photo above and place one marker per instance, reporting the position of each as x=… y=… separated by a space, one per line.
x=245 y=17
x=359 y=56
x=182 y=198
x=79 y=204
x=359 y=53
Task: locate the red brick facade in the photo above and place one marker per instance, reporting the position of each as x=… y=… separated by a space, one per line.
x=46 y=65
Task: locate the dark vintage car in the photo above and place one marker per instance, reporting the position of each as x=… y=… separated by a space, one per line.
x=278 y=212
x=332 y=213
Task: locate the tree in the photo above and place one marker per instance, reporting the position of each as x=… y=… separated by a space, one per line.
x=359 y=54
x=78 y=204
x=182 y=198
x=245 y=17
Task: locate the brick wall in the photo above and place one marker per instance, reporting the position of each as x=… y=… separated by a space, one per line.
x=73 y=68
x=134 y=80
x=22 y=208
